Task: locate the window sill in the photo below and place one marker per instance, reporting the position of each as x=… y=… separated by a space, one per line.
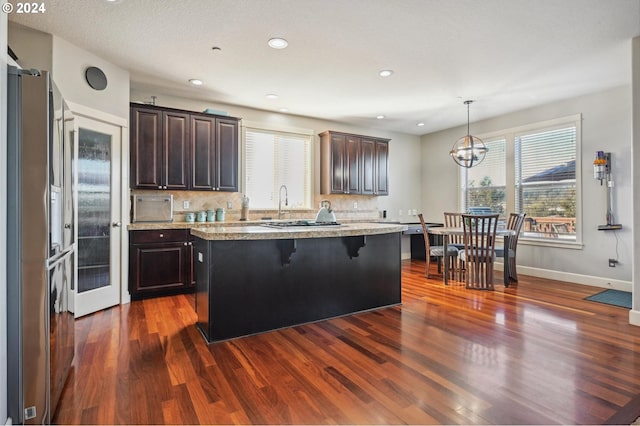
x=573 y=245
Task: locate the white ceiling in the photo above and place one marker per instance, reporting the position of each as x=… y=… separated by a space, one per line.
x=505 y=54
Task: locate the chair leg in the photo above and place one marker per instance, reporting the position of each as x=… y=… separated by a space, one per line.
x=513 y=275
x=428 y=258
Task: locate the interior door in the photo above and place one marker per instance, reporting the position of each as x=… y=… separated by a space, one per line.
x=98 y=186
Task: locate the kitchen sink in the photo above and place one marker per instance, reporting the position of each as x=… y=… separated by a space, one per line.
x=299 y=223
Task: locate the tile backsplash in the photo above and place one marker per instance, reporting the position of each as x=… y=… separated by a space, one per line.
x=351 y=207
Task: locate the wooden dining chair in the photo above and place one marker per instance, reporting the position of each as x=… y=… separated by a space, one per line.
x=479 y=250
x=454 y=220
x=515 y=222
x=437 y=252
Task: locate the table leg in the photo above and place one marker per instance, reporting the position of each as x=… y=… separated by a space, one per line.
x=506 y=260
x=445 y=258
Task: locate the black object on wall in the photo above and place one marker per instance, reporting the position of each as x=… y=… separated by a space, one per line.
x=95 y=78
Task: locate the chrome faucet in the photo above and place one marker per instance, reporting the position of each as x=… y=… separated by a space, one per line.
x=286 y=199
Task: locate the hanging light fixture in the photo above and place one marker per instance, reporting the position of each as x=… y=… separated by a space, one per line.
x=468 y=151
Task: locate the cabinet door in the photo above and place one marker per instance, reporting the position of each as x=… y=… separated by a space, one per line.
x=227 y=155
x=203 y=153
x=353 y=161
x=146 y=149
x=338 y=164
x=176 y=156
x=382 y=168
x=368 y=148
x=158 y=267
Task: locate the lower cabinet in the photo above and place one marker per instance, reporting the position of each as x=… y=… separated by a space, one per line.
x=160 y=262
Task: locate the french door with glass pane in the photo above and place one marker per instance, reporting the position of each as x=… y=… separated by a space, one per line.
x=99 y=227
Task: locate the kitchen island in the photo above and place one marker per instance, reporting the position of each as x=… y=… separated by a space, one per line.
x=252 y=279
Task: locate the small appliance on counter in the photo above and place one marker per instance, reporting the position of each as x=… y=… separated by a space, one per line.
x=152 y=208
x=325 y=214
x=244 y=213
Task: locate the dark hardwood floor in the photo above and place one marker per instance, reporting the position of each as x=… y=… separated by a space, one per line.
x=534 y=353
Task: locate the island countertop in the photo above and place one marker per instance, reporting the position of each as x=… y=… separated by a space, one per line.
x=265 y=232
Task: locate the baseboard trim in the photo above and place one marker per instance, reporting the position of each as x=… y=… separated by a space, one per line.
x=634 y=317
x=574 y=278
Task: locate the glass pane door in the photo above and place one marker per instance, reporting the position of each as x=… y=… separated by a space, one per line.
x=94 y=209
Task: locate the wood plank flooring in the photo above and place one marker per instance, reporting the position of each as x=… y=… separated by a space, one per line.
x=534 y=353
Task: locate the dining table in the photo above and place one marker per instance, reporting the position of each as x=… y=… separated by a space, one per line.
x=446 y=232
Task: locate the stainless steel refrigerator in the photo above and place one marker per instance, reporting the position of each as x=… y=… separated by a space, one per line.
x=40 y=247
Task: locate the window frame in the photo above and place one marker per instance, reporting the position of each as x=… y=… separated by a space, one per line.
x=510 y=135
x=283 y=131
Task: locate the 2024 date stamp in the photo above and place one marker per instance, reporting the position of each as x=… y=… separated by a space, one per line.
x=24 y=7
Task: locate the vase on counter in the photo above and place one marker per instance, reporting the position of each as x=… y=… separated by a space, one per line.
x=220 y=214
x=211 y=216
x=201 y=216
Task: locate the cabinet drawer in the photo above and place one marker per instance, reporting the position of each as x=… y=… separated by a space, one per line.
x=160 y=236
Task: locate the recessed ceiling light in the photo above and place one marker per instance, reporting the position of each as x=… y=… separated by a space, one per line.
x=196 y=82
x=283 y=110
x=271 y=96
x=114 y=1
x=278 y=43
x=385 y=73
x=380 y=117
x=420 y=124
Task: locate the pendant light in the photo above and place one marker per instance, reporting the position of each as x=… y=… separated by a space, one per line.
x=468 y=151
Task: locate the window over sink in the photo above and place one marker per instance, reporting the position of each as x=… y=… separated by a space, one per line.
x=273 y=158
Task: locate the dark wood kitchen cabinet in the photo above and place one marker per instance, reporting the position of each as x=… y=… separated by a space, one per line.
x=353 y=164
x=159 y=149
x=182 y=150
x=214 y=149
x=160 y=262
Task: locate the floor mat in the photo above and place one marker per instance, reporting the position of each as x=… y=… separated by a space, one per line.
x=612 y=297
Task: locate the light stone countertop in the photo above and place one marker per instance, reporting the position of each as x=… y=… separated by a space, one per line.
x=142 y=226
x=257 y=232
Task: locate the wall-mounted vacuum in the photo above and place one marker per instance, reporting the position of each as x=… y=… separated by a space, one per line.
x=602 y=172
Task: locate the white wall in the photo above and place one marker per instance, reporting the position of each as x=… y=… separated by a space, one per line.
x=634 y=314
x=606 y=125
x=3 y=218
x=33 y=48
x=69 y=65
x=405 y=170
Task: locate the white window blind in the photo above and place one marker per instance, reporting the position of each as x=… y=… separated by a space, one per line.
x=484 y=185
x=531 y=169
x=273 y=159
x=545 y=170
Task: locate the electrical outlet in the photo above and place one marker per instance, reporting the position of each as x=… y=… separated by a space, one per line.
x=229 y=205
x=185 y=204
x=355 y=204
x=612 y=263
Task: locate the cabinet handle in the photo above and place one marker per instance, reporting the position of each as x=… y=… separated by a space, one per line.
x=159 y=186
x=190 y=243
x=161 y=235
x=185 y=244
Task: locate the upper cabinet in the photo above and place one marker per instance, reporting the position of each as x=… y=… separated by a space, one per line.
x=214 y=149
x=353 y=164
x=173 y=149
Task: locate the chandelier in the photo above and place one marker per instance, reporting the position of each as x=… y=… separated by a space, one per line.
x=468 y=151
